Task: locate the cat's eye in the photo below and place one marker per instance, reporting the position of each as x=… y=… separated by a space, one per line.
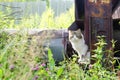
x=79 y=36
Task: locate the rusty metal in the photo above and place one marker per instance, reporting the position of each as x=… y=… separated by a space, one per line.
x=98 y=21
x=96 y=17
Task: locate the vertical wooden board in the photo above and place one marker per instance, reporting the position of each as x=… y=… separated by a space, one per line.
x=98 y=22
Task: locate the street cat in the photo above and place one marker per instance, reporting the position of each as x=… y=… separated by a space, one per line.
x=77 y=41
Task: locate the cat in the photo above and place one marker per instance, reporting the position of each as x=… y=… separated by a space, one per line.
x=77 y=41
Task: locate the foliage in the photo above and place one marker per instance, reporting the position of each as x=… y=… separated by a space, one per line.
x=18 y=56
x=47 y=2
x=6 y=21
x=21 y=58
x=45 y=21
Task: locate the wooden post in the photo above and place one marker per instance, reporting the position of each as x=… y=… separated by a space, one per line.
x=98 y=21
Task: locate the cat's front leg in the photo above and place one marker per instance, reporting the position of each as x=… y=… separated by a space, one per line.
x=84 y=58
x=80 y=58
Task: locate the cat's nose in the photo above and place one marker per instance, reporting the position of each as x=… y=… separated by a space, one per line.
x=74 y=33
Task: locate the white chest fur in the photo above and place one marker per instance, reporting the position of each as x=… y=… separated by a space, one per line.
x=78 y=44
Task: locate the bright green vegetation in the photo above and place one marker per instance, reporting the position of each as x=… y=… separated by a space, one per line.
x=46 y=21
x=21 y=59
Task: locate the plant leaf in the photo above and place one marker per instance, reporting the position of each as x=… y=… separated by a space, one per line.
x=59 y=72
x=1 y=73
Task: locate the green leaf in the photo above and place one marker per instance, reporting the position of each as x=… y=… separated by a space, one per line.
x=1 y=73
x=59 y=72
x=50 y=55
x=51 y=60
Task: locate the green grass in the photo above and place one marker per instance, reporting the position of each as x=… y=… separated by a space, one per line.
x=45 y=21
x=21 y=59
x=48 y=21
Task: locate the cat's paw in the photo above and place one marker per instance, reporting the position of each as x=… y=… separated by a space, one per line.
x=83 y=61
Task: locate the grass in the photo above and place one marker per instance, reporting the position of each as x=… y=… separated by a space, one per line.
x=45 y=21
x=22 y=57
x=48 y=20
x=18 y=56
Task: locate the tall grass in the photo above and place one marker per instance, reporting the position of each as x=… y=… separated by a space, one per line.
x=45 y=21
x=19 y=54
x=22 y=58
x=48 y=20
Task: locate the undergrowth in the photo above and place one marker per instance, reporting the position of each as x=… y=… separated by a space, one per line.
x=22 y=58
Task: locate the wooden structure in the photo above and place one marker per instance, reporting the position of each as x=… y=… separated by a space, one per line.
x=95 y=18
x=98 y=22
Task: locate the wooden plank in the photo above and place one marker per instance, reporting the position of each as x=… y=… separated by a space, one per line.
x=98 y=22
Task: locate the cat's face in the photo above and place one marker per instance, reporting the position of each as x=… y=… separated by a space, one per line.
x=75 y=35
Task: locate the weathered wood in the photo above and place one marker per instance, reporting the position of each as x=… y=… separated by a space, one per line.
x=98 y=22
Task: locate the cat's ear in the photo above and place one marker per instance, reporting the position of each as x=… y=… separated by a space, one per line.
x=79 y=30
